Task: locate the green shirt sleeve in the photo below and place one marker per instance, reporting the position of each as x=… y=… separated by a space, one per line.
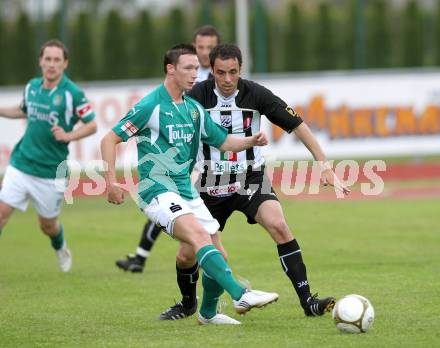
x=133 y=121
x=23 y=105
x=83 y=108
x=212 y=133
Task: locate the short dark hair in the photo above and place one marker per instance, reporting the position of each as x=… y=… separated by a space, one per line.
x=173 y=54
x=55 y=43
x=207 y=30
x=225 y=51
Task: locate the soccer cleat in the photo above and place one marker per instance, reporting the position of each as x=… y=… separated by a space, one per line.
x=253 y=298
x=218 y=319
x=178 y=311
x=64 y=258
x=132 y=264
x=316 y=307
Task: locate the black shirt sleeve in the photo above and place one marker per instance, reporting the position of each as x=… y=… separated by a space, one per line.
x=196 y=92
x=203 y=92
x=275 y=109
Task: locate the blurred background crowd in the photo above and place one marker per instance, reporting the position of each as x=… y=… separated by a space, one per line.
x=111 y=40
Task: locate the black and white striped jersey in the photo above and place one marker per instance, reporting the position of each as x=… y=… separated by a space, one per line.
x=241 y=115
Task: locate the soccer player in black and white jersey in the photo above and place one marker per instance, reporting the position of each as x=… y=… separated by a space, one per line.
x=236 y=181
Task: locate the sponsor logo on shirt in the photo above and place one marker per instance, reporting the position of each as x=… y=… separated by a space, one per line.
x=129 y=128
x=178 y=134
x=35 y=113
x=221 y=167
x=84 y=110
x=223 y=190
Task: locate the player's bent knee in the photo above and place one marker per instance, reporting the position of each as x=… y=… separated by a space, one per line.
x=5 y=213
x=3 y=219
x=280 y=232
x=185 y=260
x=185 y=256
x=199 y=235
x=49 y=228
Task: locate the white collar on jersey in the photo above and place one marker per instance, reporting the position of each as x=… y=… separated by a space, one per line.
x=178 y=110
x=222 y=97
x=51 y=91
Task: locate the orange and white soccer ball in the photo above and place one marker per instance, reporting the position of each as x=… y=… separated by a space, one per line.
x=353 y=314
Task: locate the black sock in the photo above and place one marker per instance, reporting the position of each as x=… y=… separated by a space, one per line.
x=295 y=269
x=149 y=235
x=187 y=281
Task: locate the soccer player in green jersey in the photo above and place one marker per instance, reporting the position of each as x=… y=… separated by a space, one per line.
x=52 y=105
x=205 y=39
x=168 y=127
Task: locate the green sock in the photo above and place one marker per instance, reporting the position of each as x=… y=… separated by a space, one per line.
x=215 y=266
x=58 y=240
x=211 y=293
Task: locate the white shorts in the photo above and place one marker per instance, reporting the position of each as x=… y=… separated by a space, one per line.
x=167 y=207
x=18 y=188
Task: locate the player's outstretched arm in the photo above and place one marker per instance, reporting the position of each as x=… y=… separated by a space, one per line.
x=328 y=177
x=115 y=194
x=82 y=131
x=237 y=144
x=12 y=112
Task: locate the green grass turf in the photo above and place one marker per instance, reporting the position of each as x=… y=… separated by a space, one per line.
x=387 y=251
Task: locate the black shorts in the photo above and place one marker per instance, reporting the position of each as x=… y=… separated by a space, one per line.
x=252 y=193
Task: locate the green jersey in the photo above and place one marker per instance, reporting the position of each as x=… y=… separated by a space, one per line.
x=168 y=137
x=38 y=153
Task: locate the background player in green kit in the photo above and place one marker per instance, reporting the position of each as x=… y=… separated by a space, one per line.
x=169 y=127
x=53 y=105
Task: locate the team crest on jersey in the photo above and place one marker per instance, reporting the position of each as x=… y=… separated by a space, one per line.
x=57 y=100
x=291 y=111
x=194 y=115
x=226 y=120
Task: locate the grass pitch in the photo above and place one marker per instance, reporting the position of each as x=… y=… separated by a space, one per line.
x=388 y=251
